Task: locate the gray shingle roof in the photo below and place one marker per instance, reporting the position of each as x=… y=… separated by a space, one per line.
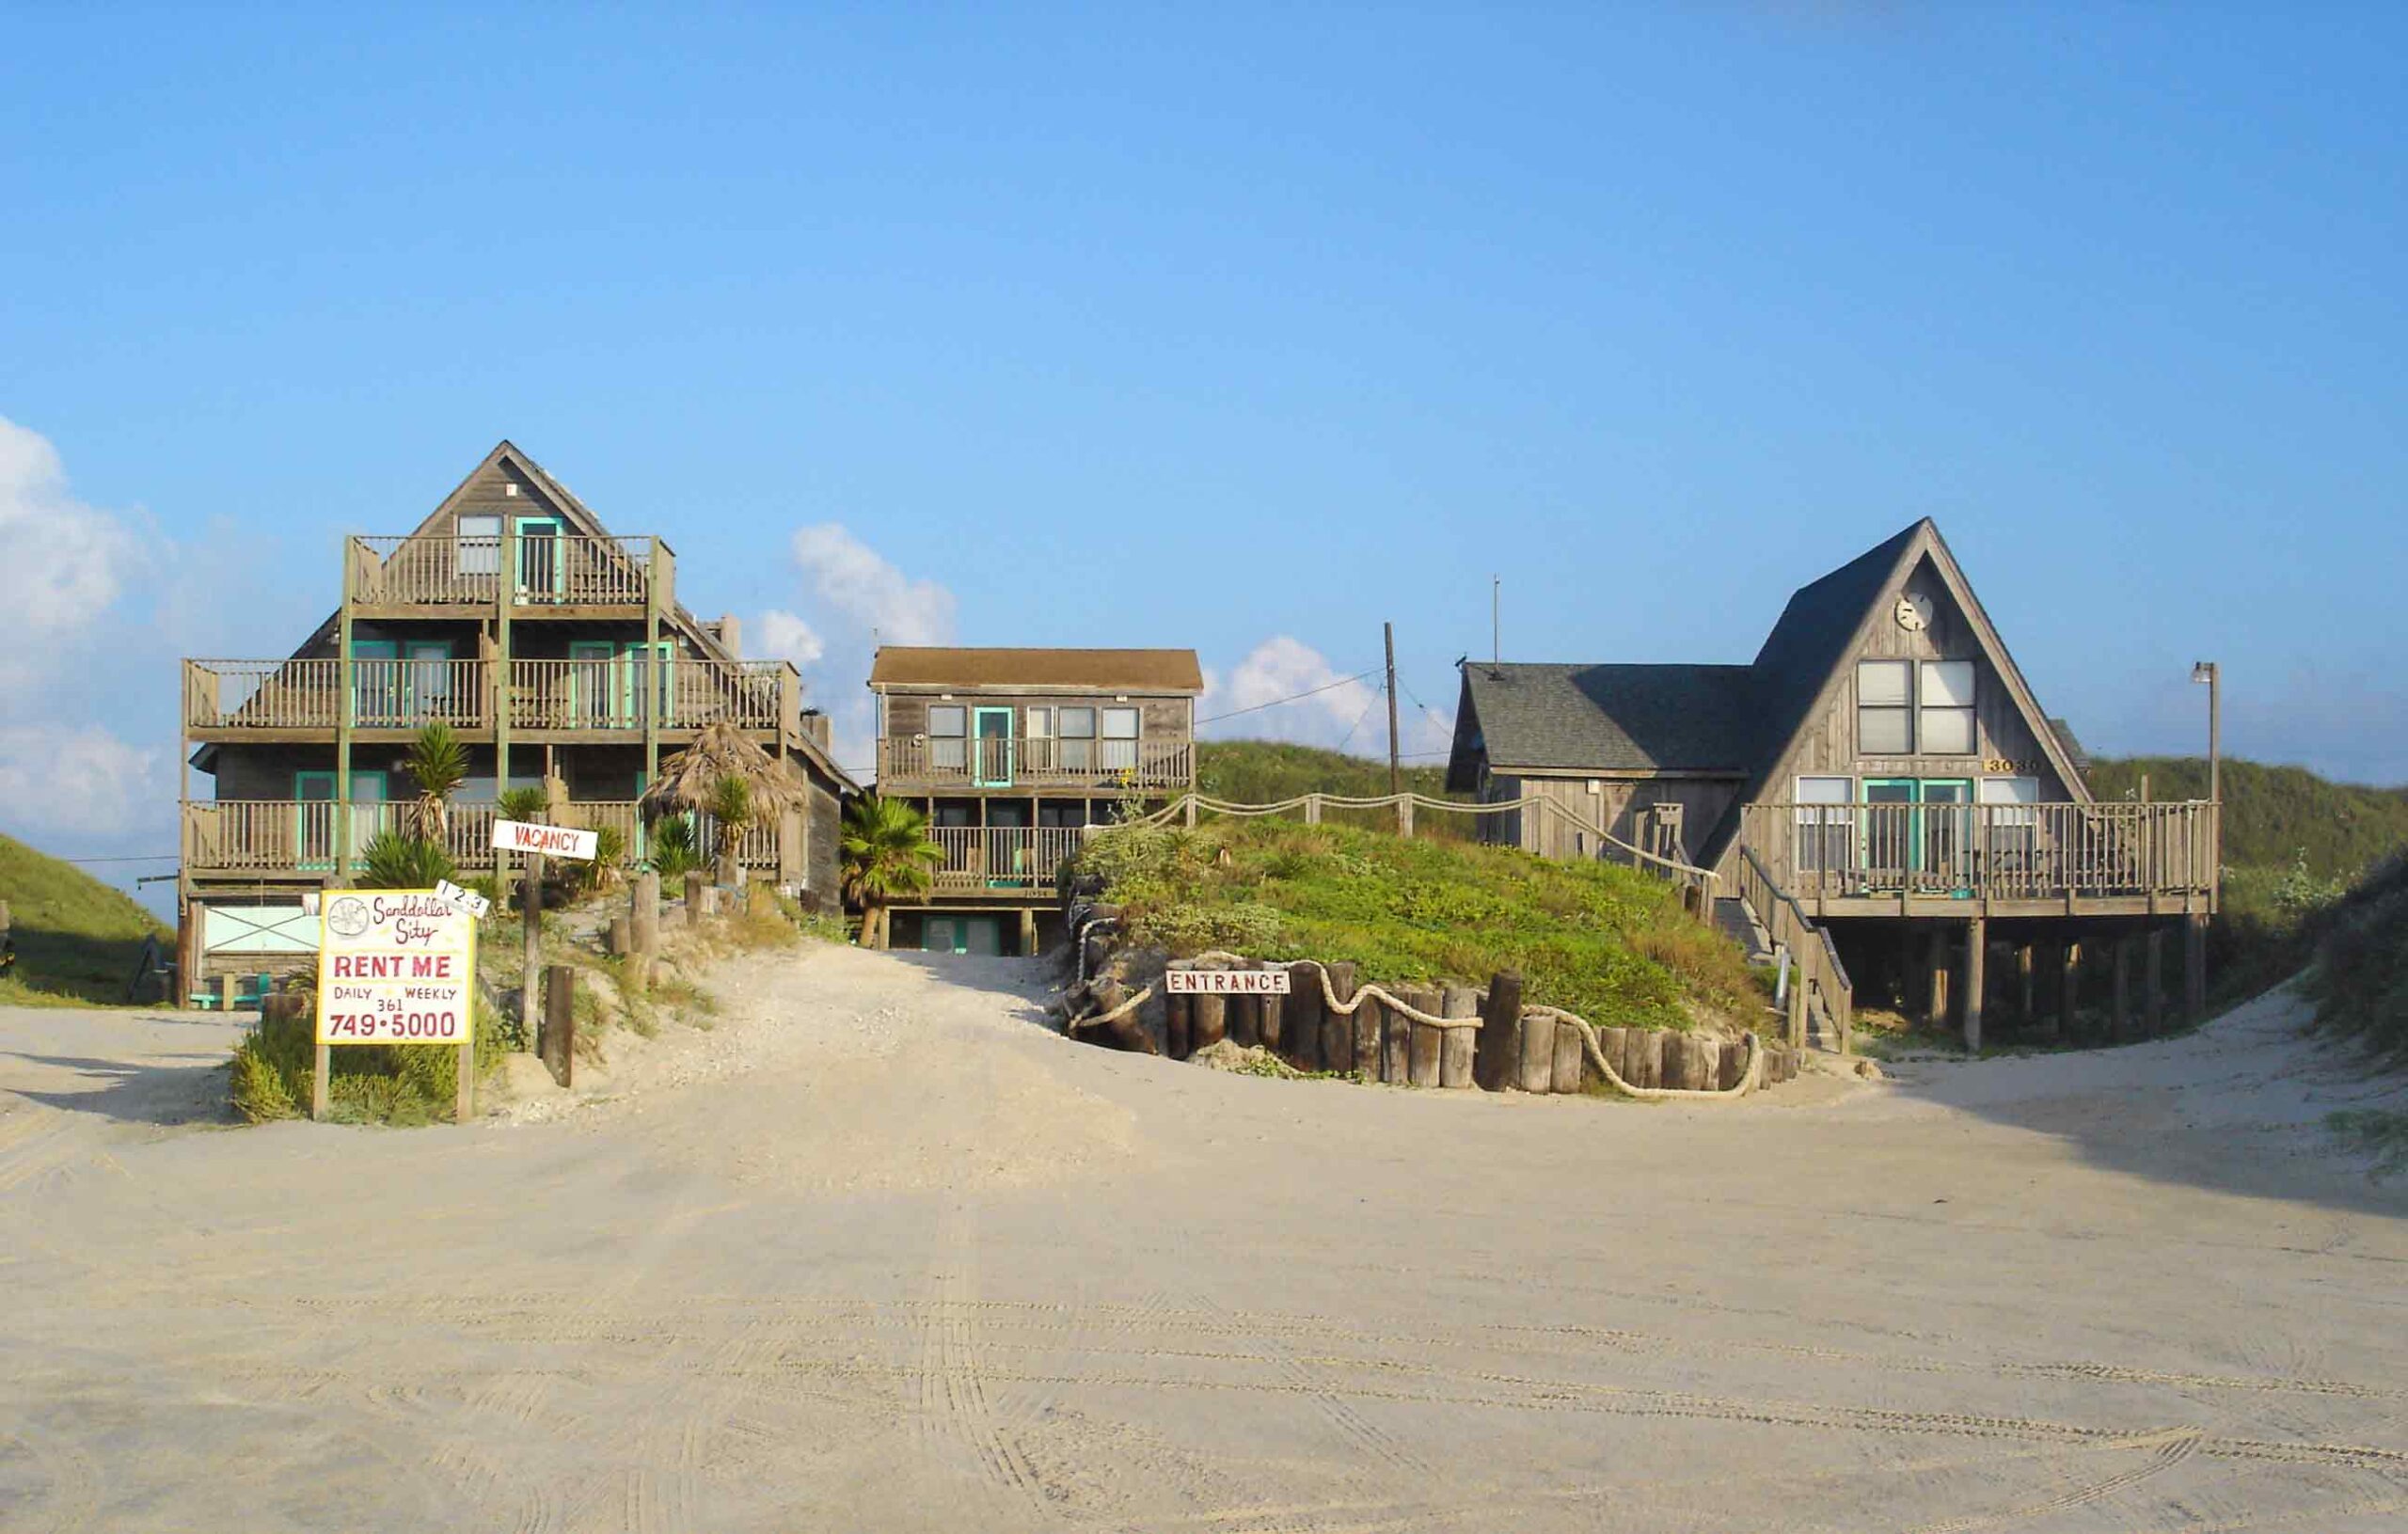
x=1626 y=719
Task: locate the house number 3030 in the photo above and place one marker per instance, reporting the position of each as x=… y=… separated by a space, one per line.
x=2001 y=763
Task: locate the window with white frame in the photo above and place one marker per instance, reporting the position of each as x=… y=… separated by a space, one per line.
x=1944 y=708
x=1915 y=708
x=1078 y=740
x=1119 y=739
x=948 y=737
x=1826 y=824
x=1037 y=728
x=1885 y=708
x=479 y=551
x=2010 y=818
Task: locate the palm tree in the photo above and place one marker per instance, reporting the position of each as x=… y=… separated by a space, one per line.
x=887 y=856
x=438 y=764
x=732 y=810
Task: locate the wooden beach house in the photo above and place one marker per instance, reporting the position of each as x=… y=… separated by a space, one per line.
x=1880 y=770
x=1012 y=753
x=559 y=652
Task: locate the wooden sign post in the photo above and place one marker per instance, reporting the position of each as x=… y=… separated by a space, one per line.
x=537 y=840
x=396 y=967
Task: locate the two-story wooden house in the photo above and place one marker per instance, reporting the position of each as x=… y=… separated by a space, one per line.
x=1882 y=764
x=1012 y=753
x=558 y=650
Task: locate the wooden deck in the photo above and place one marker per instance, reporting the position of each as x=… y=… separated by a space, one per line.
x=600 y=698
x=297 y=840
x=439 y=574
x=1012 y=864
x=1964 y=861
x=918 y=765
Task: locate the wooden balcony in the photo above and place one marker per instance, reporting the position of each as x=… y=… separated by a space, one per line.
x=299 y=839
x=1006 y=863
x=600 y=698
x=2007 y=859
x=434 y=575
x=918 y=764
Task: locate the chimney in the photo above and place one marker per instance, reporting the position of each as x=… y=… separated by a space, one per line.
x=731 y=638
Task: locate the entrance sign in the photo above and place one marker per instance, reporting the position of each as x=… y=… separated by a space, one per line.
x=544 y=841
x=1227 y=982
x=395 y=967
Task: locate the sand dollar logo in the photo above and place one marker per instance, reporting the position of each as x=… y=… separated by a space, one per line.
x=349 y=918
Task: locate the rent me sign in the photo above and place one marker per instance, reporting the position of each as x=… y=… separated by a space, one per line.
x=395 y=967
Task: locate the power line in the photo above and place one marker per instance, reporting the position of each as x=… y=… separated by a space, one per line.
x=1292 y=697
x=1361 y=716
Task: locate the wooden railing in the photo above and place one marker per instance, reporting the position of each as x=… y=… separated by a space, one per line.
x=304 y=836
x=1816 y=977
x=614 y=693
x=1002 y=858
x=1014 y=763
x=1996 y=852
x=442 y=570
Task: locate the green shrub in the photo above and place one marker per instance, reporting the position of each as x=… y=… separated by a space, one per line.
x=674 y=852
x=399 y=1085
x=393 y=861
x=1604 y=942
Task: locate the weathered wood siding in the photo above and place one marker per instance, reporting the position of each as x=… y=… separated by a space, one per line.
x=2002 y=733
x=1158 y=719
x=1620 y=806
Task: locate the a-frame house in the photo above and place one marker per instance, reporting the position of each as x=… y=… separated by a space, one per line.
x=1881 y=770
x=558 y=650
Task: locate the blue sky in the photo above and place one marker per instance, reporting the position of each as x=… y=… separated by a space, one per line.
x=1236 y=328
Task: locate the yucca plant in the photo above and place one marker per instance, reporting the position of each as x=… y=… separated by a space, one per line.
x=674 y=852
x=438 y=764
x=610 y=860
x=392 y=860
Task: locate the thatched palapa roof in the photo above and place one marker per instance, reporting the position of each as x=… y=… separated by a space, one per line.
x=688 y=778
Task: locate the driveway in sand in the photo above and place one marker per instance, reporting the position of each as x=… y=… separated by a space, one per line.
x=878 y=1252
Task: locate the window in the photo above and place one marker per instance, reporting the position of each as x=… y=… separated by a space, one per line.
x=1905 y=707
x=1946 y=717
x=948 y=737
x=1825 y=826
x=1884 y=711
x=1119 y=739
x=1037 y=727
x=480 y=545
x=1078 y=740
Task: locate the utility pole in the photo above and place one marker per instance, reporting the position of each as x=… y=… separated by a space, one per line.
x=1387 y=632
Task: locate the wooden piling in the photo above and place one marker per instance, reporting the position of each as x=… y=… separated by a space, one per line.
x=1643 y=1056
x=1570 y=1058
x=2153 y=956
x=1338 y=1028
x=1427 y=1039
x=1301 y=1014
x=1673 y=1064
x=1209 y=1023
x=2122 y=1026
x=1370 y=1057
x=643 y=914
x=1496 y=1062
x=558 y=1046
x=1705 y=1063
x=1977 y=943
x=622 y=940
x=1245 y=1013
x=2195 y=970
x=1614 y=1044
x=1538 y=1054
x=2069 y=957
x=1178 y=1022
x=1732 y=1064
x=1457 y=1049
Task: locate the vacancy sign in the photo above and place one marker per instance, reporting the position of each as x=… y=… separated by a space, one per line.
x=395 y=967
x=545 y=841
x=1227 y=982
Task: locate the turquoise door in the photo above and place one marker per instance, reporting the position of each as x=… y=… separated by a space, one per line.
x=1918 y=834
x=992 y=767
x=596 y=690
x=316 y=831
x=962 y=934
x=543 y=564
x=375 y=682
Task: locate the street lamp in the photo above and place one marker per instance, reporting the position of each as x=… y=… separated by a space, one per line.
x=2207 y=671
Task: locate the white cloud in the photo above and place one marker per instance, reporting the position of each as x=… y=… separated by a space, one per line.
x=1285 y=689
x=786 y=637
x=62 y=563
x=858 y=583
x=82 y=781
x=858 y=600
